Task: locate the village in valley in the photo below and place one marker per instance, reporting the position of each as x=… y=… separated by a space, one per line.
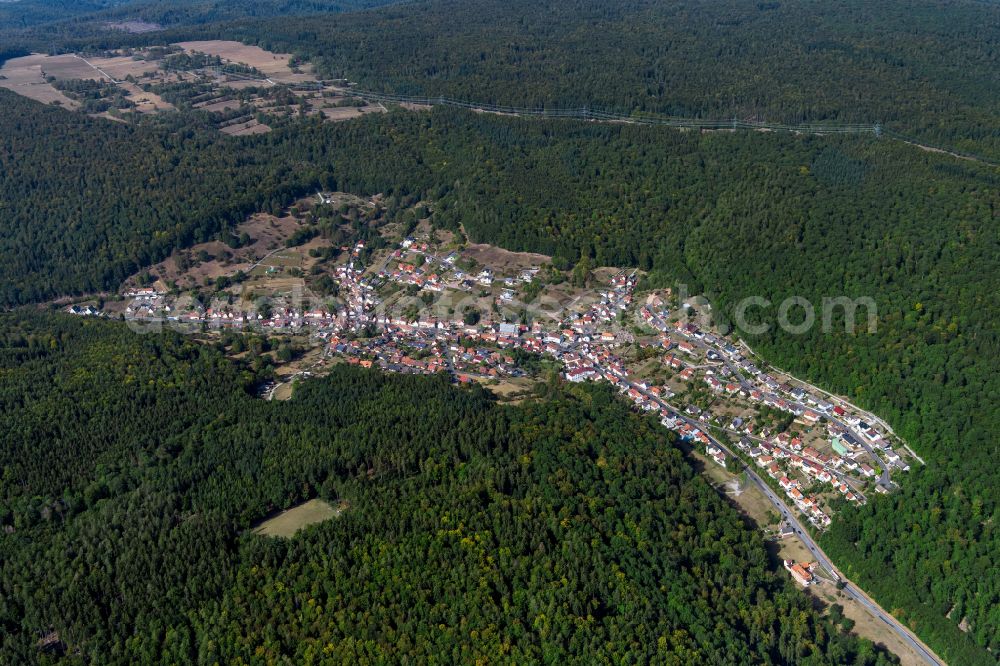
x=406 y=297
x=231 y=252
x=409 y=298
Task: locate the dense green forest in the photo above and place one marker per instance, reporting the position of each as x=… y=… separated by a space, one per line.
x=928 y=68
x=26 y=13
x=566 y=530
x=85 y=203
x=732 y=214
x=763 y=215
x=74 y=18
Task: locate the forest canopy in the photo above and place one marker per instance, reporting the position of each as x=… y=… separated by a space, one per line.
x=564 y=530
x=928 y=69
x=730 y=214
x=85 y=203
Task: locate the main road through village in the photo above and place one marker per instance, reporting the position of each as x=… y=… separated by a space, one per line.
x=789 y=516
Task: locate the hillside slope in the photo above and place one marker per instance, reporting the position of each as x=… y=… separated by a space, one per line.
x=567 y=530
x=731 y=214
x=928 y=68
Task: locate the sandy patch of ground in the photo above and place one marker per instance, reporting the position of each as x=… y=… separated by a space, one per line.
x=509 y=389
x=503 y=261
x=290 y=521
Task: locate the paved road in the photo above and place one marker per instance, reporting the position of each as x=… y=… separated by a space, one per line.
x=817 y=553
x=848 y=589
x=884 y=478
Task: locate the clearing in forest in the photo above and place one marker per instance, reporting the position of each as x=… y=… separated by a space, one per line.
x=290 y=521
x=501 y=260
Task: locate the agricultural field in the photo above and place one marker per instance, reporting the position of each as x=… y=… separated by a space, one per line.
x=231 y=81
x=40 y=77
x=275 y=66
x=27 y=76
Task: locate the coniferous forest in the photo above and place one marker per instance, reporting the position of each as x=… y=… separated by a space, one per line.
x=926 y=69
x=731 y=214
x=565 y=530
x=133 y=466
